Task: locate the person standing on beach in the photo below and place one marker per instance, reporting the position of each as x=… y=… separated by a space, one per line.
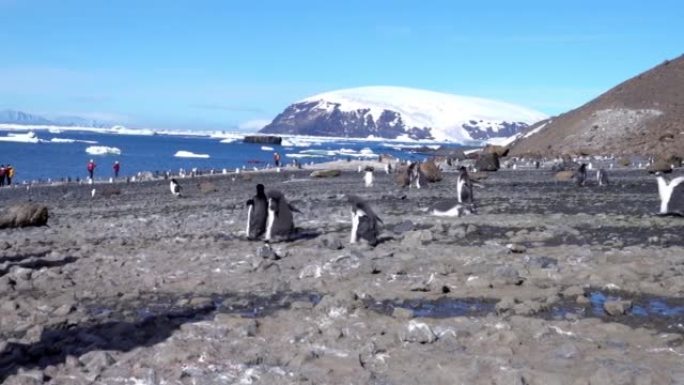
x=116 y=168
x=276 y=159
x=91 y=169
x=9 y=174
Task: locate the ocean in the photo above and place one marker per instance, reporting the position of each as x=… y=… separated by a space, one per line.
x=42 y=155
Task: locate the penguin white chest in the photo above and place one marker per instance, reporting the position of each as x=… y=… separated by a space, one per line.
x=249 y=218
x=270 y=220
x=459 y=189
x=356 y=217
x=368 y=179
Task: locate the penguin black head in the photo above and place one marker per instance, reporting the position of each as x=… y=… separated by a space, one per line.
x=250 y=202
x=260 y=190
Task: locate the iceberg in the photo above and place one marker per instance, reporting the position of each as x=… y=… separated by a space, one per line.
x=228 y=140
x=29 y=137
x=66 y=140
x=103 y=150
x=188 y=154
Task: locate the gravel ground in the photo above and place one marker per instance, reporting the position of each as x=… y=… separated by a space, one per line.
x=548 y=284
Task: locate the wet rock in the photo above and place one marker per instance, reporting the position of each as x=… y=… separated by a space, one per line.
x=419 y=332
x=96 y=361
x=402 y=313
x=516 y=248
x=24 y=215
x=616 y=307
x=417 y=238
x=331 y=242
x=266 y=252
x=325 y=173
x=404 y=227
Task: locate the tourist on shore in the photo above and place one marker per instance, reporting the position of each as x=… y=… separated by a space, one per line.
x=276 y=159
x=116 y=168
x=9 y=174
x=91 y=169
x=2 y=175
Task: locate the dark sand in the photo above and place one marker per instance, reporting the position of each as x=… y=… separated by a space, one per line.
x=141 y=287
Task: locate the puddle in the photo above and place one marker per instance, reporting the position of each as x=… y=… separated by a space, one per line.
x=443 y=307
x=662 y=313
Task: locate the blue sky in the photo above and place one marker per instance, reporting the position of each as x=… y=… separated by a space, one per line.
x=226 y=64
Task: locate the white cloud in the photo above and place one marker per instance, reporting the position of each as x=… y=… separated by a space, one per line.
x=253 y=125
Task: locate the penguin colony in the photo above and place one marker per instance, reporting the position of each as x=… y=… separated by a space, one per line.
x=270 y=215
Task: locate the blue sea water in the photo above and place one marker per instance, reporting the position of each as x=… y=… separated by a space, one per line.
x=48 y=160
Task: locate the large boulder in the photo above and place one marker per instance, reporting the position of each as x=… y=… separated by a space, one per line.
x=500 y=151
x=431 y=171
x=487 y=162
x=24 y=215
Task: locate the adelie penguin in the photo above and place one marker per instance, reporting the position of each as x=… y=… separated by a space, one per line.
x=279 y=223
x=602 y=177
x=368 y=176
x=671 y=195
x=365 y=223
x=464 y=187
x=175 y=188
x=581 y=175
x=257 y=214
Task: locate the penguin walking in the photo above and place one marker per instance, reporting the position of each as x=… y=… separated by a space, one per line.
x=368 y=177
x=416 y=176
x=581 y=175
x=464 y=187
x=671 y=195
x=365 y=223
x=279 y=222
x=175 y=187
x=257 y=214
x=602 y=177
x=388 y=168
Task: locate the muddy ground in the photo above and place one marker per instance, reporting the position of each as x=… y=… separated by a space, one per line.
x=548 y=284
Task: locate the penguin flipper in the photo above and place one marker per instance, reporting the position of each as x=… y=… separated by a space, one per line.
x=293 y=209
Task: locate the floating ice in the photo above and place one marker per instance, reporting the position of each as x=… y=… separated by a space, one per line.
x=66 y=140
x=188 y=154
x=29 y=137
x=267 y=148
x=103 y=150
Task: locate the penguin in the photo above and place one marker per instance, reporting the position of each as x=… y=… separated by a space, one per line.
x=279 y=222
x=602 y=177
x=175 y=187
x=451 y=208
x=92 y=193
x=581 y=174
x=368 y=177
x=671 y=195
x=257 y=214
x=365 y=223
x=388 y=168
x=464 y=187
x=416 y=176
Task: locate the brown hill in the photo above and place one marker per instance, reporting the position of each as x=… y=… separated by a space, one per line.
x=643 y=115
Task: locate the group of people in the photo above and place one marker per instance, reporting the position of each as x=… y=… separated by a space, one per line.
x=6 y=174
x=91 y=168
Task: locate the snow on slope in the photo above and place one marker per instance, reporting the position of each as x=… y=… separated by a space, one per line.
x=444 y=113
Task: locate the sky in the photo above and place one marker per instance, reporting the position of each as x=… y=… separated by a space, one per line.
x=228 y=65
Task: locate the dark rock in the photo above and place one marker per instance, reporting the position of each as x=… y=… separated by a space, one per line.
x=267 y=252
x=331 y=243
x=263 y=139
x=487 y=162
x=404 y=226
x=24 y=215
x=325 y=173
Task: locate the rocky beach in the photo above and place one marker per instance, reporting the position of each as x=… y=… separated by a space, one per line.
x=549 y=283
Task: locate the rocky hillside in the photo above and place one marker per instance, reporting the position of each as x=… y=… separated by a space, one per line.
x=643 y=115
x=395 y=112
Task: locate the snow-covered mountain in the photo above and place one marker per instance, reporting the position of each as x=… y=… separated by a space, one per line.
x=23 y=118
x=397 y=112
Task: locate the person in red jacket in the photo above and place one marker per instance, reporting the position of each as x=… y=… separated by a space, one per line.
x=116 y=168
x=91 y=168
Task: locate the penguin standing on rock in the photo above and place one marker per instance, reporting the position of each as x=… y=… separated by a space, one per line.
x=464 y=187
x=368 y=176
x=581 y=175
x=365 y=223
x=602 y=177
x=671 y=195
x=175 y=187
x=257 y=214
x=279 y=222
